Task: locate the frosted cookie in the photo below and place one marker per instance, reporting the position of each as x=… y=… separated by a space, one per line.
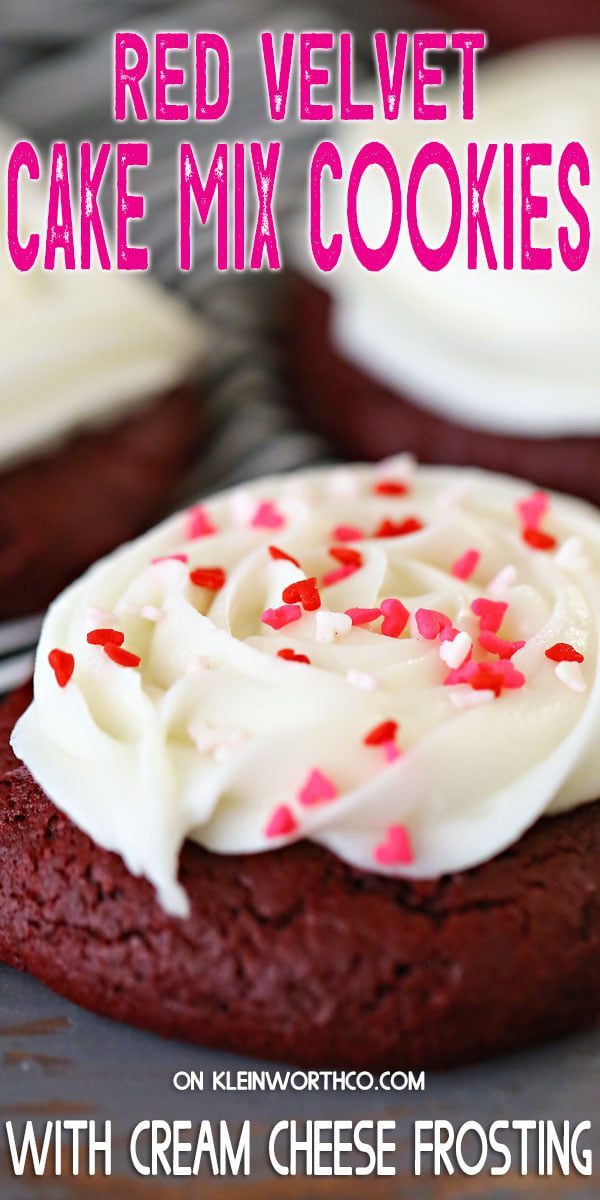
x=367 y=701
x=100 y=414
x=492 y=367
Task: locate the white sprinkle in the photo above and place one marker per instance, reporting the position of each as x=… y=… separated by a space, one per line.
x=150 y=613
x=454 y=653
x=98 y=617
x=400 y=466
x=362 y=679
x=344 y=483
x=470 y=698
x=330 y=625
x=504 y=580
x=454 y=497
x=230 y=742
x=217 y=742
x=243 y=507
x=570 y=556
x=571 y=674
x=200 y=663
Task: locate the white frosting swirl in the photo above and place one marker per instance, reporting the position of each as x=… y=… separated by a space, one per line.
x=508 y=351
x=214 y=733
x=80 y=346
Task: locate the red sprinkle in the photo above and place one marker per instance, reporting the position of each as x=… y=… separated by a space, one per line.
x=385 y=732
x=533 y=509
x=346 y=555
x=395 y=617
x=390 y=487
x=487 y=676
x=389 y=528
x=291 y=656
x=284 y=615
x=430 y=623
x=397 y=847
x=496 y=645
x=169 y=558
x=564 y=652
x=100 y=637
x=348 y=533
x=490 y=612
x=281 y=822
x=362 y=616
x=539 y=540
x=212 y=578
x=316 y=789
x=338 y=574
x=120 y=656
x=304 y=592
x=465 y=565
x=267 y=516
x=63 y=665
x=276 y=553
x=199 y=523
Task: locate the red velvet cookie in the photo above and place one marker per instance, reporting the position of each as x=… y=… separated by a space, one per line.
x=293 y=954
x=365 y=418
x=511 y=23
x=65 y=506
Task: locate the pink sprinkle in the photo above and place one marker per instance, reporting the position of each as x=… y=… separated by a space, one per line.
x=430 y=623
x=267 y=516
x=533 y=509
x=500 y=646
x=284 y=615
x=490 y=612
x=199 y=522
x=448 y=633
x=170 y=558
x=316 y=789
x=362 y=616
x=391 y=751
x=465 y=565
x=397 y=847
x=395 y=617
x=281 y=822
x=338 y=574
x=347 y=533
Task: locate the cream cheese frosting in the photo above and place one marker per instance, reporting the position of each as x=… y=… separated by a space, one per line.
x=398 y=663
x=494 y=349
x=80 y=346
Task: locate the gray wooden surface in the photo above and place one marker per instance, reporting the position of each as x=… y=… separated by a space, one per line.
x=58 y=1061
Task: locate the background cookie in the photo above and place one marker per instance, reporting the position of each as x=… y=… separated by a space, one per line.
x=65 y=507
x=294 y=955
x=364 y=418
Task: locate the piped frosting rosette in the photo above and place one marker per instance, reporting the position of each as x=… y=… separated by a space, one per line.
x=400 y=664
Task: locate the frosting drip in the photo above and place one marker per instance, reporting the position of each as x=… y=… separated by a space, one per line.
x=391 y=697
